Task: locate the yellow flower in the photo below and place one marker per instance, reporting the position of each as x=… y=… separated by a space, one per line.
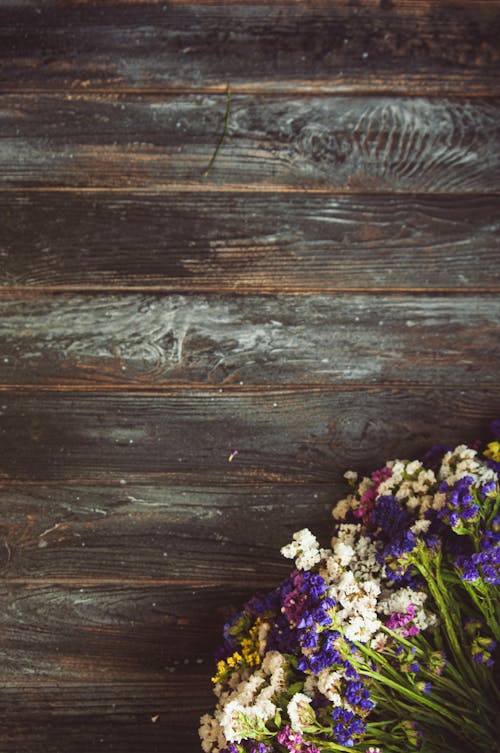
x=250 y=645
x=249 y=656
x=224 y=666
x=493 y=451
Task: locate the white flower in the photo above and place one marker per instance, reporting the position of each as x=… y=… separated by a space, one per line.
x=343 y=552
x=277 y=680
x=342 y=507
x=420 y=526
x=331 y=571
x=232 y=721
x=264 y=709
x=310 y=684
x=463 y=461
x=378 y=642
x=264 y=629
x=237 y=721
x=329 y=685
x=397 y=467
x=300 y=712
x=272 y=661
x=211 y=736
x=304 y=549
x=361 y=627
x=413 y=467
x=346 y=586
x=371 y=588
x=247 y=690
x=437 y=502
x=400 y=600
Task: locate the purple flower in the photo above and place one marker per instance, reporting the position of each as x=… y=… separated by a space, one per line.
x=399 y=619
x=256 y=747
x=483 y=657
x=460 y=502
x=484 y=564
x=291 y=740
x=282 y=637
x=346 y=726
x=392 y=524
x=495 y=428
x=357 y=695
x=488 y=488
x=433 y=457
x=424 y=687
x=260 y=604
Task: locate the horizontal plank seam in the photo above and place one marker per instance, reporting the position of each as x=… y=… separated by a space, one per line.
x=29 y=292
x=31 y=682
x=75 y=582
x=242 y=482
x=200 y=390
x=172 y=481
x=243 y=188
x=307 y=89
x=202 y=185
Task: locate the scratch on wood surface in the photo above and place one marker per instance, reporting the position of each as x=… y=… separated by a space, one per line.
x=9 y=550
x=223 y=134
x=49 y=530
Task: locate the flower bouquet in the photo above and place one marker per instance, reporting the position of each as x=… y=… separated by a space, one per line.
x=385 y=642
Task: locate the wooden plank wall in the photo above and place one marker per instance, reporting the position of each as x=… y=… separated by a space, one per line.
x=324 y=298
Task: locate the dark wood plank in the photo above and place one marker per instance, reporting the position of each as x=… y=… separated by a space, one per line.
x=437 y=48
x=58 y=717
x=113 y=633
x=157 y=534
x=281 y=436
x=198 y=341
x=227 y=242
x=350 y=144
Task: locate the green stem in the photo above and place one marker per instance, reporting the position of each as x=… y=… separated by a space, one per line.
x=430 y=569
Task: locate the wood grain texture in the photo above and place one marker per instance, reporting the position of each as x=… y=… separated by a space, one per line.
x=354 y=203
x=229 y=242
x=55 y=717
x=281 y=436
x=337 y=46
x=350 y=144
x=116 y=633
x=197 y=341
x=155 y=535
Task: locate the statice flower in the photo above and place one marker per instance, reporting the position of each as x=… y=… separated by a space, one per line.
x=483 y=565
x=304 y=548
x=347 y=726
x=294 y=742
x=300 y=712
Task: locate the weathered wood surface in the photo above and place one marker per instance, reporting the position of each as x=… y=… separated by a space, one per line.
x=299 y=436
x=351 y=144
x=153 y=341
x=260 y=46
x=131 y=367
x=156 y=535
x=88 y=630
x=228 y=242
x=56 y=717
